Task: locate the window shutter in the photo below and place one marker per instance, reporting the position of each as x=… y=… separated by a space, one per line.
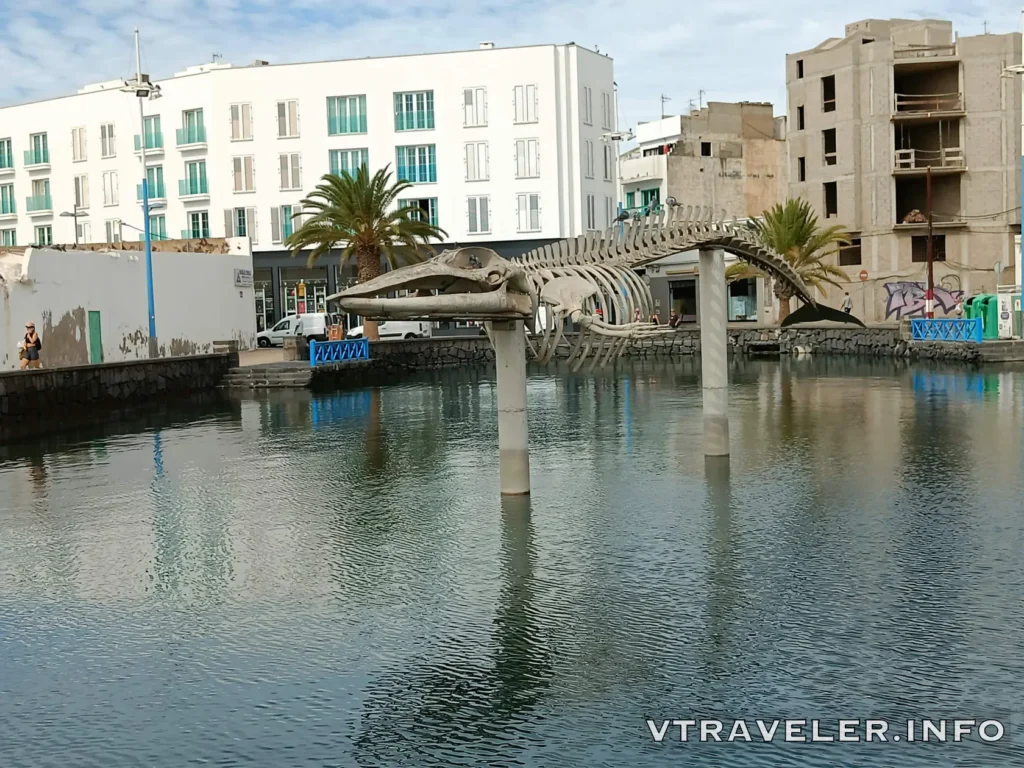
x=229 y=223
x=85 y=191
x=487 y=161
x=250 y=220
x=298 y=130
x=297 y=171
x=275 y=225
x=283 y=160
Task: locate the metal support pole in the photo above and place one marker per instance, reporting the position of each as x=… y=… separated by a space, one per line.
x=75 y=210
x=714 y=352
x=153 y=344
x=509 y=339
x=929 y=299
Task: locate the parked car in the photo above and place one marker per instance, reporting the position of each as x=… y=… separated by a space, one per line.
x=315 y=327
x=274 y=337
x=396 y=329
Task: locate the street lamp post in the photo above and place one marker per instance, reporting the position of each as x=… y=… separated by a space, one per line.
x=143 y=89
x=75 y=214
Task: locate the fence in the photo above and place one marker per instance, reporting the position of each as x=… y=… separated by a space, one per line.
x=922 y=329
x=323 y=352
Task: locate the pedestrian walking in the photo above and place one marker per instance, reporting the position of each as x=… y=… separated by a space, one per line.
x=33 y=345
x=847 y=303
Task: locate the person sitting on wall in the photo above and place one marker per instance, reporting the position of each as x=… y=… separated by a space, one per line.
x=33 y=345
x=654 y=319
x=674 y=321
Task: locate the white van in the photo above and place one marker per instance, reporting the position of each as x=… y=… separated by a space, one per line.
x=315 y=327
x=397 y=329
x=274 y=337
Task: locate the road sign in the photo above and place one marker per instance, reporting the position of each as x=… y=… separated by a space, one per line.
x=863 y=275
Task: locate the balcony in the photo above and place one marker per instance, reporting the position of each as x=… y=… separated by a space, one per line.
x=193 y=189
x=37 y=159
x=154 y=143
x=39 y=205
x=6 y=164
x=927 y=106
x=633 y=169
x=910 y=162
x=913 y=53
x=7 y=211
x=156 y=192
x=191 y=138
x=639 y=211
x=188 y=234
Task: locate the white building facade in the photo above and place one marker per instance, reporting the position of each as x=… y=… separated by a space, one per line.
x=506 y=147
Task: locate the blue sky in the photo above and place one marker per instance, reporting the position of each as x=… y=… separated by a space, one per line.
x=731 y=49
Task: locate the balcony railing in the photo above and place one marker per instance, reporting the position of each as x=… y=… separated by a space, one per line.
x=947 y=157
x=38 y=203
x=193 y=187
x=194 y=134
x=924 y=51
x=156 y=191
x=37 y=156
x=925 y=103
x=154 y=141
x=189 y=234
x=639 y=211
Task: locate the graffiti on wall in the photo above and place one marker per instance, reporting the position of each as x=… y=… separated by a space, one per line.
x=905 y=299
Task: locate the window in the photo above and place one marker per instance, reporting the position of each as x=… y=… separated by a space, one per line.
x=609 y=211
x=631 y=199
x=705 y=149
x=427 y=208
x=287 y=119
x=828 y=138
x=84 y=232
x=284 y=220
x=157 y=228
x=7 y=199
x=524 y=99
x=155 y=177
x=474 y=102
x=919 y=248
x=346 y=114
x=417 y=164
x=527 y=159
x=241 y=122
x=850 y=255
x=244 y=173
x=6 y=154
x=199 y=224
x=800 y=118
x=591 y=212
x=528 y=209
x=240 y=222
x=609 y=162
x=44 y=235
x=800 y=69
x=414 y=111
x=588 y=158
x=194 y=182
x=650 y=197
x=291 y=171
x=152 y=133
x=801 y=169
x=39 y=154
x=607 y=111
x=831 y=199
x=828 y=94
x=8 y=237
x=478 y=164
x=348 y=161
x=78 y=144
x=81 y=191
x=192 y=129
x=588 y=106
x=478 y=212
x=112 y=228
x=108 y=148
x=41 y=188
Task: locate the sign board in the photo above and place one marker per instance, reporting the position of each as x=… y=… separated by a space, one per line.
x=863 y=275
x=243 y=278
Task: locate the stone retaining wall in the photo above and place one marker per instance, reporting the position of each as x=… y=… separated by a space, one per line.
x=46 y=400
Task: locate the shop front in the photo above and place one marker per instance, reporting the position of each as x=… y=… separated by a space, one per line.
x=743 y=301
x=263 y=288
x=303 y=290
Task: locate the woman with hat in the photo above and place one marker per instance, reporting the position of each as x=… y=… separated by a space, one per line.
x=33 y=344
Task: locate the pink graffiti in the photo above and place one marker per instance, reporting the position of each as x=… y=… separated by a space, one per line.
x=908 y=298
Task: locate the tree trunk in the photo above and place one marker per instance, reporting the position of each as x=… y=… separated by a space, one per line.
x=784 y=295
x=368 y=267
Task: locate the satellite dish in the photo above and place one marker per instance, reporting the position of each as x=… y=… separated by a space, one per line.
x=671 y=201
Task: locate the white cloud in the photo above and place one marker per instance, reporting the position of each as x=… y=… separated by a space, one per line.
x=731 y=49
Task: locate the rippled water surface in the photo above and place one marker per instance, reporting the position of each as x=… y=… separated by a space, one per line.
x=291 y=581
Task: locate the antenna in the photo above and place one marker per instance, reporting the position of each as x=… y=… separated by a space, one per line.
x=217 y=56
x=664 y=99
x=985 y=27
x=700 y=97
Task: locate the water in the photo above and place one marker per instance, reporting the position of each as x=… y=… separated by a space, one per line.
x=288 y=581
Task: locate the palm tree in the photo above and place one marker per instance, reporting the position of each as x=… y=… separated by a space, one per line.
x=791 y=230
x=358 y=214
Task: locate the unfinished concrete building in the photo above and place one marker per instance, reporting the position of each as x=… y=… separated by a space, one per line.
x=730 y=157
x=869 y=115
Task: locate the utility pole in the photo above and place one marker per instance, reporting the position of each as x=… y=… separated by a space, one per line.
x=929 y=298
x=700 y=98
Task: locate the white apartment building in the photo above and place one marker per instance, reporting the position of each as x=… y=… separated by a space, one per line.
x=506 y=147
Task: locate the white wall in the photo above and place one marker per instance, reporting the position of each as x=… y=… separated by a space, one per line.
x=557 y=71
x=195 y=298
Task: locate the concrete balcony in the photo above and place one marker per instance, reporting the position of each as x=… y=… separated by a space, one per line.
x=39 y=205
x=37 y=160
x=916 y=162
x=918 y=107
x=634 y=169
x=156 y=192
x=910 y=54
x=154 y=143
x=191 y=139
x=190 y=190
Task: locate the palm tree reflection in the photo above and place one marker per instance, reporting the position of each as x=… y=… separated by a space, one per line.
x=460 y=709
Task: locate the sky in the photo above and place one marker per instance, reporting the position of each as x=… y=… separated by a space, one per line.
x=732 y=50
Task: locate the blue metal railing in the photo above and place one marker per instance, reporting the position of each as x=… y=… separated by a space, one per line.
x=323 y=352
x=923 y=329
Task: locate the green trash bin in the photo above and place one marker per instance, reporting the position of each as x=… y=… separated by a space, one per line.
x=989 y=313
x=971 y=307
